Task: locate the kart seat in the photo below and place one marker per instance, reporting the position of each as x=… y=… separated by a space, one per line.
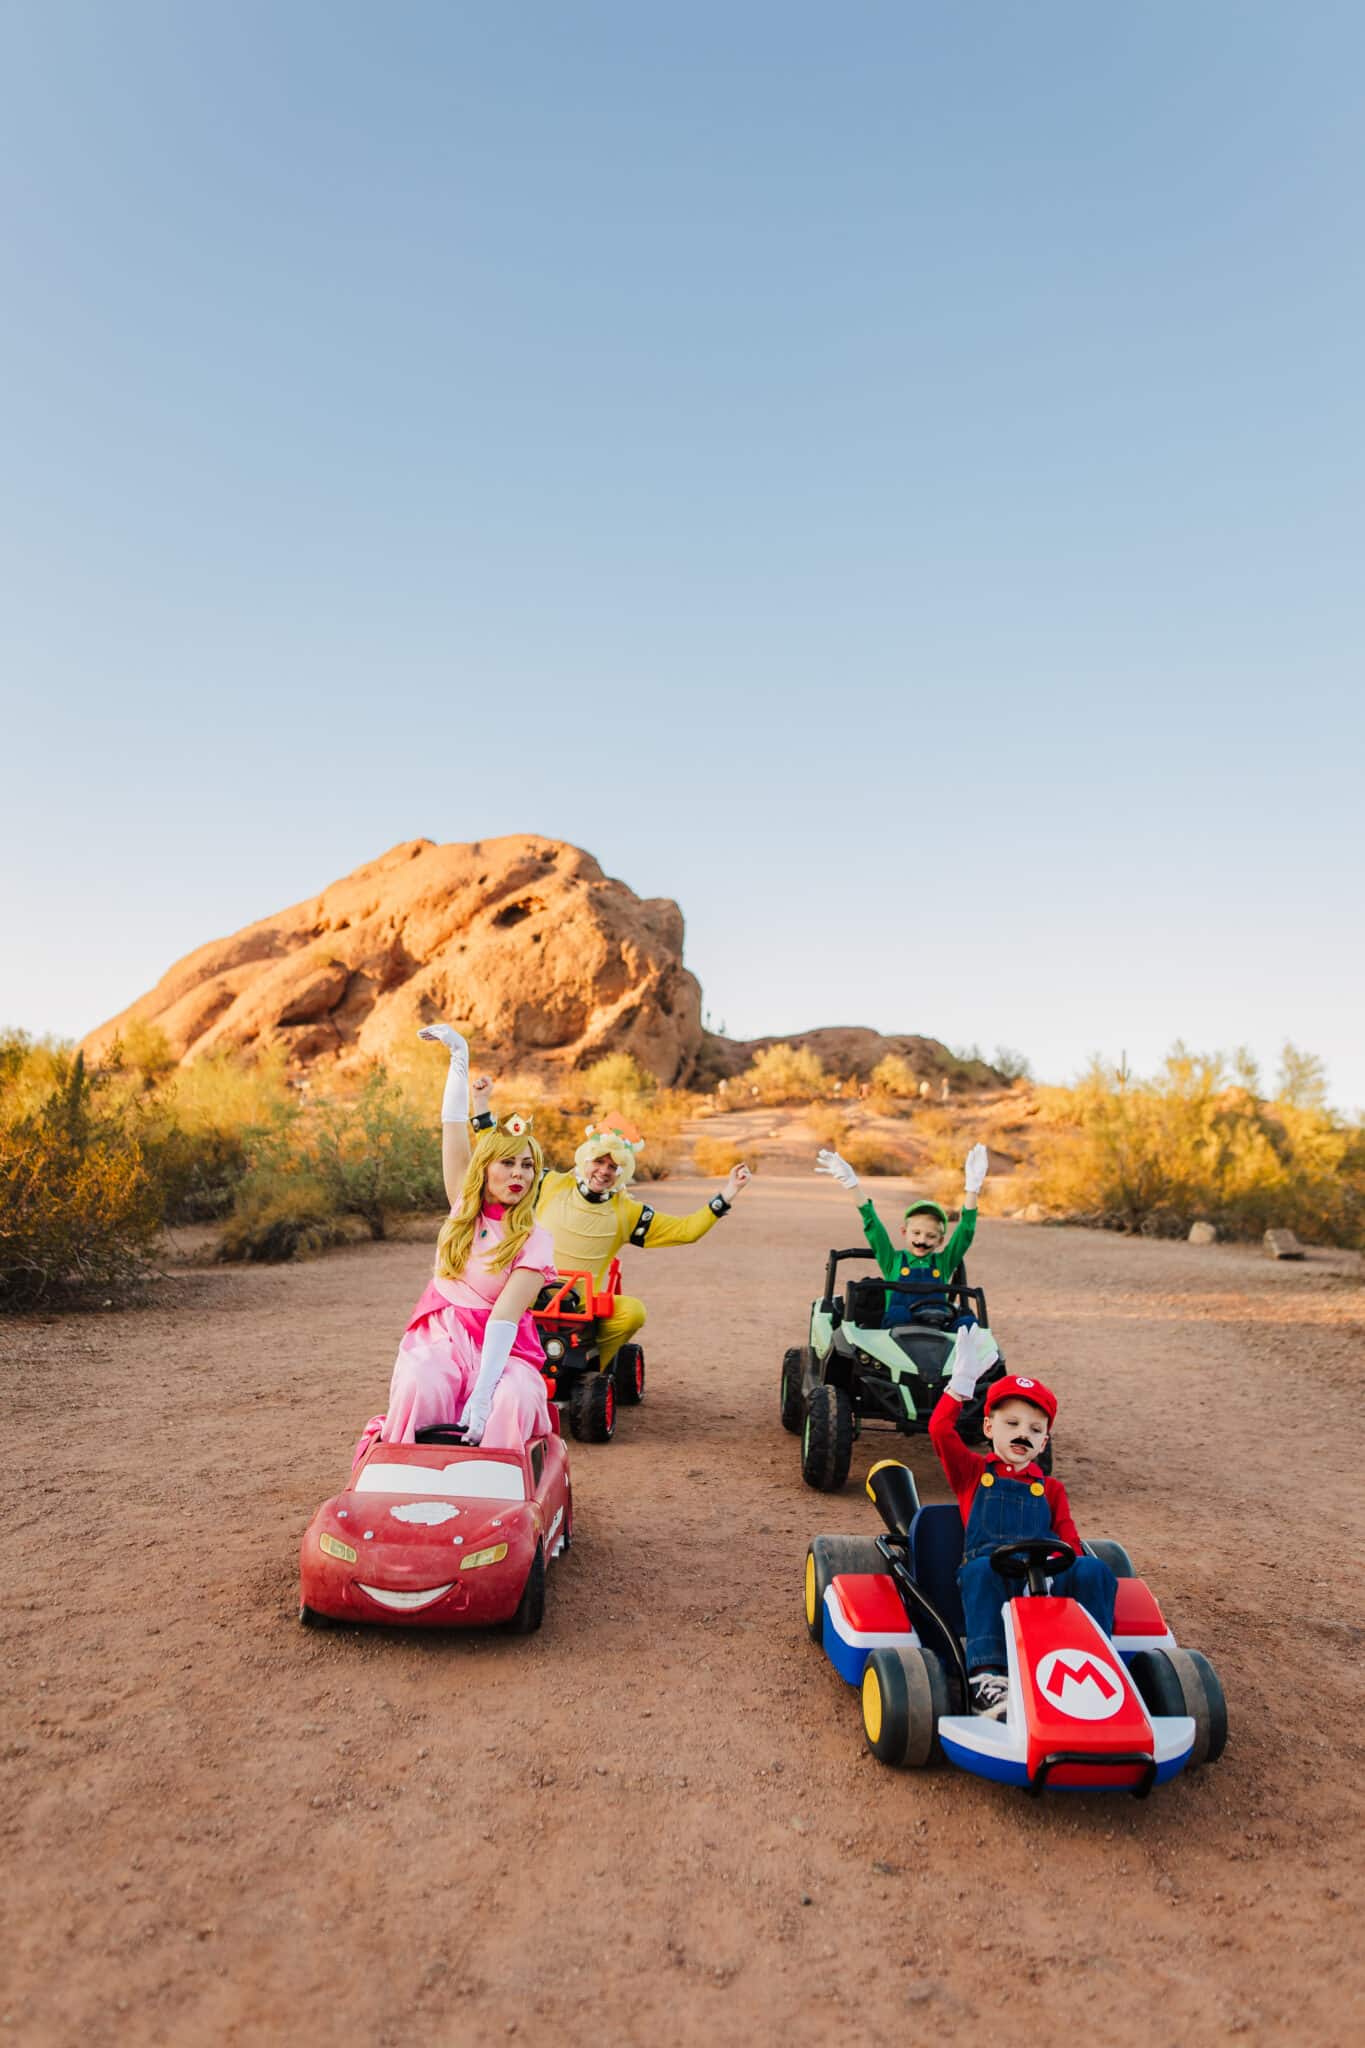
x=935 y=1553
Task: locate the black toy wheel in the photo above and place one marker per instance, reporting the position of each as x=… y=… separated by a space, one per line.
x=310 y=1618
x=904 y=1693
x=531 y=1606
x=827 y=1438
x=629 y=1370
x=592 y=1408
x=1114 y=1555
x=1184 y=1682
x=791 y=1400
x=826 y=1557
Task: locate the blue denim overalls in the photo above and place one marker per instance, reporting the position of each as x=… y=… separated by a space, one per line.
x=927 y=1290
x=1009 y=1511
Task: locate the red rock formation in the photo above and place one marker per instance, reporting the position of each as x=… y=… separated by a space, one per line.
x=522 y=942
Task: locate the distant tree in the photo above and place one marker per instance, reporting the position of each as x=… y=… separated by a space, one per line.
x=1302 y=1079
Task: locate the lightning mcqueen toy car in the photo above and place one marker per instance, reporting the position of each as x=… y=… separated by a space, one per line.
x=440 y=1534
x=1086 y=1712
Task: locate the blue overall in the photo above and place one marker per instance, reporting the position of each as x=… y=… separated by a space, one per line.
x=1008 y=1511
x=927 y=1290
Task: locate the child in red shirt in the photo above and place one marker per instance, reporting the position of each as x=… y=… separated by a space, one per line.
x=1004 y=1498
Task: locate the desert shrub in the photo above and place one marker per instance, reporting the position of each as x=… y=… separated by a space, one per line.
x=894 y=1076
x=78 y=1209
x=716 y=1156
x=868 y=1153
x=1154 y=1156
x=312 y=1163
x=278 y=1216
x=617 y=1082
x=827 y=1126
x=784 y=1073
x=1009 y=1064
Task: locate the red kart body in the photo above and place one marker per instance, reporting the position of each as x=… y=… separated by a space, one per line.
x=570 y=1334
x=437 y=1534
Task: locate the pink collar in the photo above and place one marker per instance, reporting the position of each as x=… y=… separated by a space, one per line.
x=494 y=1211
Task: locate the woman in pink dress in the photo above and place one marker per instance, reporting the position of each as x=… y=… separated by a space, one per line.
x=470 y=1353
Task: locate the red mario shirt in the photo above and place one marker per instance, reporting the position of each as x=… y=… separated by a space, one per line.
x=965 y=1470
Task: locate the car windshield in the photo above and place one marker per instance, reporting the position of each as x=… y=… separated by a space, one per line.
x=466 y=1479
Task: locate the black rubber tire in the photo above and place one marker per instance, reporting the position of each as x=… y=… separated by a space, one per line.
x=628 y=1367
x=791 y=1401
x=1114 y=1555
x=531 y=1607
x=903 y=1694
x=1154 y=1675
x=1204 y=1702
x=826 y=1557
x=592 y=1408
x=827 y=1438
x=310 y=1618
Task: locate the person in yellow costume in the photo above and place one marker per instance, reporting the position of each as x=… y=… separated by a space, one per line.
x=587 y=1211
x=591 y=1215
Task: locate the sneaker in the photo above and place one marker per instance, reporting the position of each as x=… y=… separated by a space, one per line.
x=990 y=1694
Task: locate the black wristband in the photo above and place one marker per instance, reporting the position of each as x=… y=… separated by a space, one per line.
x=718 y=1206
x=484 y=1121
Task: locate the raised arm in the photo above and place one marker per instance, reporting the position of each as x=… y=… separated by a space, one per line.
x=652 y=1230
x=455 y=1106
x=874 y=1230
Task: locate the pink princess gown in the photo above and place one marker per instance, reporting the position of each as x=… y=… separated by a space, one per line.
x=438 y=1358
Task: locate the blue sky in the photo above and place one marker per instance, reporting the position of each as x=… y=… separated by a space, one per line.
x=887 y=476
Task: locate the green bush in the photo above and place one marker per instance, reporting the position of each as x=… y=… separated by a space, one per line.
x=783 y=1073
x=79 y=1211
x=278 y=1216
x=1194 y=1143
x=310 y=1164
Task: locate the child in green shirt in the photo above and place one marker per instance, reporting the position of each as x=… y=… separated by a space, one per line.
x=924 y=1258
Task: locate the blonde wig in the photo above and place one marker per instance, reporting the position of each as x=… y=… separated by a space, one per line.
x=506 y=1141
x=621 y=1140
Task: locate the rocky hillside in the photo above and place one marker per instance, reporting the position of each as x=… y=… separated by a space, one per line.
x=523 y=942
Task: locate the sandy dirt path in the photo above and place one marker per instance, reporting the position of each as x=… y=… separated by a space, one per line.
x=656 y=1819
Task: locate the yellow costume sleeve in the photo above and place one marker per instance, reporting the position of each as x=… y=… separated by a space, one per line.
x=664 y=1230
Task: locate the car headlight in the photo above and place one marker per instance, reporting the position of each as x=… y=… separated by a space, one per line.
x=334 y=1547
x=495 y=1554
x=555 y=1348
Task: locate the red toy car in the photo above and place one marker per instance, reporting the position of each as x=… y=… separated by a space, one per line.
x=566 y=1318
x=440 y=1534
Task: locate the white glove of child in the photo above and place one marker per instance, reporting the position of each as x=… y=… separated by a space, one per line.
x=976 y=1168
x=497 y=1348
x=837 y=1169
x=970 y=1361
x=455 y=1101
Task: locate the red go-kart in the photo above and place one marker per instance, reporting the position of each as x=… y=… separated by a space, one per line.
x=566 y=1316
x=440 y=1534
x=1085 y=1711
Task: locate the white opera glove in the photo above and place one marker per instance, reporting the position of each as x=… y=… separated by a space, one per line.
x=455 y=1101
x=497 y=1349
x=837 y=1169
x=976 y=1168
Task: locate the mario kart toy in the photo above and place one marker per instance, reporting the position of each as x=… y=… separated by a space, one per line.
x=440 y=1534
x=853 y=1374
x=1085 y=1712
x=566 y=1316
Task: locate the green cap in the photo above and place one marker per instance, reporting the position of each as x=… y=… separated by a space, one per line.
x=931 y=1208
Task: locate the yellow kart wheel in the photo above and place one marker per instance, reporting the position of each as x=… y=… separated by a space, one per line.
x=826 y=1558
x=904 y=1693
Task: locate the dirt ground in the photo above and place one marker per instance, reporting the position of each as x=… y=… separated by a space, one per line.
x=656 y=1819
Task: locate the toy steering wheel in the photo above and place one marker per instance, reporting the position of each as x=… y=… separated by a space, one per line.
x=1036 y=1558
